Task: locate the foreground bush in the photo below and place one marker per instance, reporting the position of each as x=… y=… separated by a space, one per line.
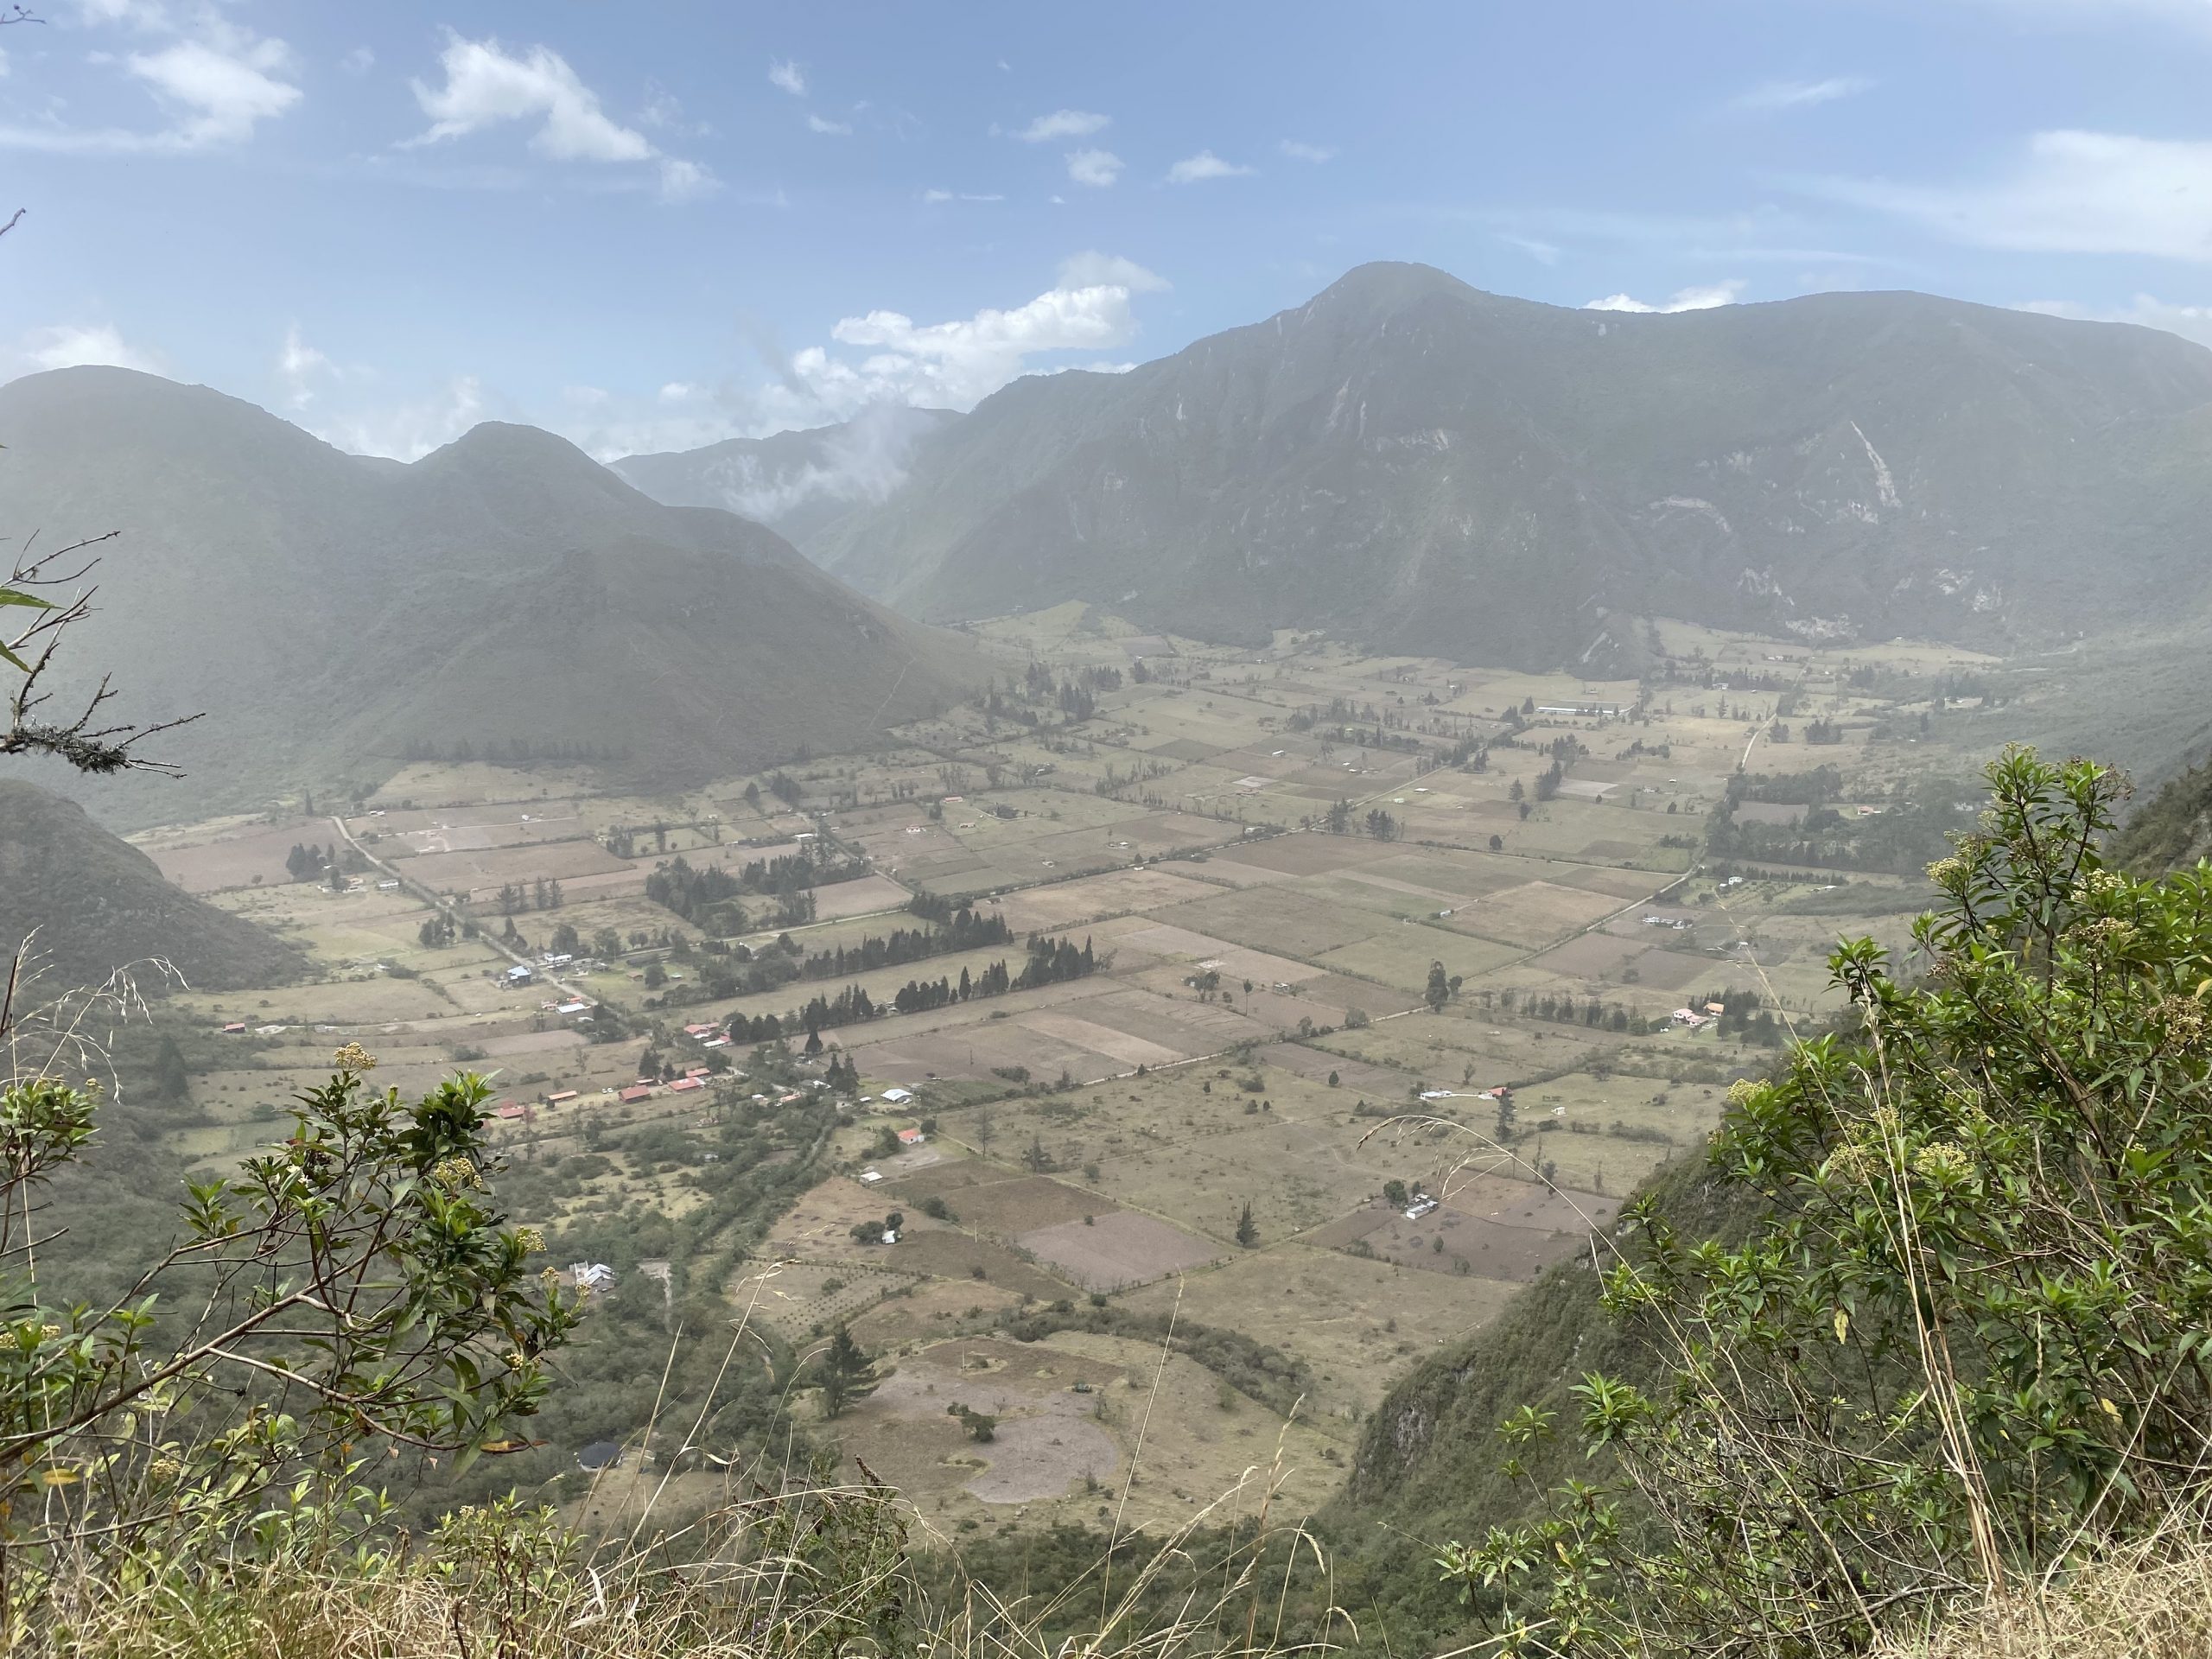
x=351 y=1294
x=1969 y=1349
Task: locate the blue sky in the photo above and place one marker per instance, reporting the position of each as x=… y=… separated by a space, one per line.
x=651 y=226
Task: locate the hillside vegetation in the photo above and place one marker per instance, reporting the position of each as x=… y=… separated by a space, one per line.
x=1923 y=1328
x=505 y=596
x=2173 y=828
x=97 y=903
x=1421 y=466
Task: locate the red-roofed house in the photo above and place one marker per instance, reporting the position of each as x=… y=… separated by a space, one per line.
x=637 y=1092
x=562 y=1098
x=509 y=1111
x=912 y=1138
x=683 y=1083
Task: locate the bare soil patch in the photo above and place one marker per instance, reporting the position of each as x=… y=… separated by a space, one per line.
x=1118 y=1250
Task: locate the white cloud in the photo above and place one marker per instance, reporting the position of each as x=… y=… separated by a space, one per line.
x=817 y=123
x=2145 y=310
x=1543 y=252
x=788 y=77
x=682 y=181
x=1096 y=167
x=409 y=431
x=1091 y=269
x=75 y=345
x=1299 y=152
x=1772 y=97
x=934 y=196
x=956 y=365
x=358 y=62
x=1703 y=298
x=1205 y=164
x=217 y=82
x=485 y=86
x=298 y=364
x=219 y=96
x=1063 y=123
x=2069 y=192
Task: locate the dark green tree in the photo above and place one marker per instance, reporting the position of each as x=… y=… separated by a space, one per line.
x=844 y=1373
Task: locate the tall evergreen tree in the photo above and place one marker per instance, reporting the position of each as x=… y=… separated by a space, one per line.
x=845 y=1373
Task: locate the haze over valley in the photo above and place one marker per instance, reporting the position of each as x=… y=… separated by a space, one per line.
x=1489 y=844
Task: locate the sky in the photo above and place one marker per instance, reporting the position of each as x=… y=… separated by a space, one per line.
x=656 y=224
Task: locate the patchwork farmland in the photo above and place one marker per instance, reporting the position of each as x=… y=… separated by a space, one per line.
x=1380 y=988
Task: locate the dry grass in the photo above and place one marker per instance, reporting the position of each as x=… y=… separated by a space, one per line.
x=819 y=1573
x=2150 y=1604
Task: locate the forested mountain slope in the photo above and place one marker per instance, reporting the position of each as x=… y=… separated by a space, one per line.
x=97 y=903
x=332 y=614
x=1423 y=466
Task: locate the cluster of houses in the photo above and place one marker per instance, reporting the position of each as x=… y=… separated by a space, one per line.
x=708 y=1036
x=1692 y=1019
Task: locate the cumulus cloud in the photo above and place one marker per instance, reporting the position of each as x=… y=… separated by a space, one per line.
x=934 y=196
x=1096 y=167
x=820 y=124
x=1063 y=123
x=956 y=364
x=215 y=81
x=1703 y=298
x=1773 y=96
x=1301 y=152
x=1193 y=169
x=486 y=85
x=76 y=346
x=2145 y=310
x=2069 y=192
x=787 y=76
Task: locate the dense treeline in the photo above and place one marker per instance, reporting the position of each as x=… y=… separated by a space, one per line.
x=1050 y=961
x=707 y=895
x=964 y=930
x=1908 y=832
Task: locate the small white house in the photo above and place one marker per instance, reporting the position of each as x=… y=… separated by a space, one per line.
x=1419 y=1207
x=898 y=1096
x=594 y=1276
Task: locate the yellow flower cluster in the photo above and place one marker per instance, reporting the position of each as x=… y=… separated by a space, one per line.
x=354 y=1057
x=456 y=1173
x=1943 y=1160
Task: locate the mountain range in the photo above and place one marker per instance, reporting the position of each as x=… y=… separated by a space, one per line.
x=332 y=614
x=1418 y=465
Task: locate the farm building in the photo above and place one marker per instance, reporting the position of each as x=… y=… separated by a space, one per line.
x=682 y=1085
x=236 y=1028
x=520 y=975
x=636 y=1092
x=592 y=1275
x=1419 y=1207
x=561 y=1098
x=898 y=1096
x=912 y=1138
